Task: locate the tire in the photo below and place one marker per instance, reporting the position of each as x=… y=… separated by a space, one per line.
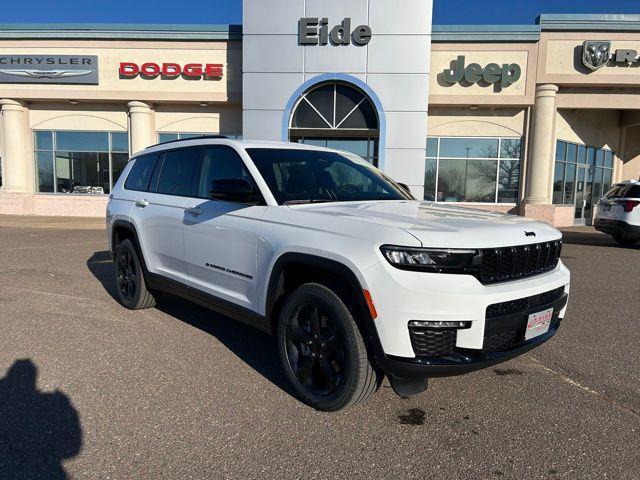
x=322 y=350
x=627 y=242
x=131 y=287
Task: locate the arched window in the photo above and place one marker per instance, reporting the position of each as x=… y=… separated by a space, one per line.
x=337 y=115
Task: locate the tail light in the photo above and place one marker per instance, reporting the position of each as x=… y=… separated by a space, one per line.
x=628 y=205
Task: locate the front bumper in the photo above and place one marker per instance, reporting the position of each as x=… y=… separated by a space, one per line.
x=463 y=360
x=617 y=227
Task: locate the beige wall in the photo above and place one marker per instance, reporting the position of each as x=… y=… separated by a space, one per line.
x=596 y=128
x=112 y=87
x=631 y=166
x=484 y=122
x=196 y=118
x=561 y=59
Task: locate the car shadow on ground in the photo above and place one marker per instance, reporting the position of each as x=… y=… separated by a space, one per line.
x=38 y=430
x=592 y=238
x=255 y=348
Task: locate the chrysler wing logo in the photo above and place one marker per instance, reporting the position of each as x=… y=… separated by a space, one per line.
x=596 y=53
x=51 y=74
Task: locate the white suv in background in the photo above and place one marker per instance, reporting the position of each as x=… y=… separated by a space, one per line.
x=353 y=277
x=618 y=212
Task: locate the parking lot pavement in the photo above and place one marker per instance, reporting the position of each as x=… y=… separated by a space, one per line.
x=98 y=391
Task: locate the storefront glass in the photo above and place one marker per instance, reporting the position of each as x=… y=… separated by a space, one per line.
x=570 y=159
x=79 y=162
x=481 y=170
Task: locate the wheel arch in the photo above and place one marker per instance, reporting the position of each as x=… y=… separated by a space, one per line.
x=122 y=230
x=293 y=269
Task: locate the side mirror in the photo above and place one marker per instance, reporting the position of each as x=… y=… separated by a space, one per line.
x=406 y=188
x=237 y=190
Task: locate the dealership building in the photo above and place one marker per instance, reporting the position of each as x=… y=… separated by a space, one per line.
x=537 y=120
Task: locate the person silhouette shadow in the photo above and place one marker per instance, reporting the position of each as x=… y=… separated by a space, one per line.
x=37 y=429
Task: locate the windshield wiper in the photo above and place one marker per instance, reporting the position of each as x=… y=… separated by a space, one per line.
x=307 y=200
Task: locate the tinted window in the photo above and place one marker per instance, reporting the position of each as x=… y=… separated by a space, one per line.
x=217 y=163
x=469 y=147
x=83 y=141
x=309 y=175
x=140 y=173
x=179 y=171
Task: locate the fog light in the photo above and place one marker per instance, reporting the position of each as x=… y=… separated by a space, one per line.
x=439 y=324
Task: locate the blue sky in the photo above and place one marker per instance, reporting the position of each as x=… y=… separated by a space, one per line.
x=230 y=11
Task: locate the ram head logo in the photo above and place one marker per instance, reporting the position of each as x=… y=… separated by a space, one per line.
x=596 y=54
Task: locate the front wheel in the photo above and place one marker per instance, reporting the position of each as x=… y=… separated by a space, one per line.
x=627 y=242
x=322 y=350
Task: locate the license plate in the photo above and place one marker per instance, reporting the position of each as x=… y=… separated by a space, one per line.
x=538 y=324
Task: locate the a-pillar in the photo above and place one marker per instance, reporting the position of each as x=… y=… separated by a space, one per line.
x=140 y=126
x=14 y=154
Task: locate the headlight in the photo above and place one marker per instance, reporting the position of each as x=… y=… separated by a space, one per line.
x=430 y=259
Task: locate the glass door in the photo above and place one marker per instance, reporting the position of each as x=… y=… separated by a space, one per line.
x=583 y=195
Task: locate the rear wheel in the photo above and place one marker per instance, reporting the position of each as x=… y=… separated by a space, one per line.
x=628 y=242
x=322 y=351
x=131 y=286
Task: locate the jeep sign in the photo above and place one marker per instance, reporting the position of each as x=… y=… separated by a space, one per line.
x=315 y=31
x=493 y=73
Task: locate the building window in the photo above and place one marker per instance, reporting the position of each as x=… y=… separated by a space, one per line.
x=79 y=162
x=337 y=115
x=479 y=170
x=569 y=158
x=171 y=136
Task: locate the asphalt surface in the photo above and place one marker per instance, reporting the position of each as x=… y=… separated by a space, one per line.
x=91 y=390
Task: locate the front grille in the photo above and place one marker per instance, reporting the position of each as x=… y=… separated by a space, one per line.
x=513 y=306
x=431 y=342
x=510 y=263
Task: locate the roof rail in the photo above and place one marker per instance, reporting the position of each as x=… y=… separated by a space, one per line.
x=198 y=137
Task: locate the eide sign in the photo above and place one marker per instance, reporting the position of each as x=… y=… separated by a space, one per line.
x=315 y=31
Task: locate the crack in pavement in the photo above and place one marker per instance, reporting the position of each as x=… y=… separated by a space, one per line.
x=585 y=388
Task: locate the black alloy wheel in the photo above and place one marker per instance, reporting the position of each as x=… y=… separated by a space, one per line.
x=322 y=350
x=316 y=349
x=127 y=274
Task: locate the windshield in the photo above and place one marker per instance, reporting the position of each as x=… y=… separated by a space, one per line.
x=307 y=176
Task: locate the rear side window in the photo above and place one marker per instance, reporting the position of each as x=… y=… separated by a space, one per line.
x=179 y=172
x=218 y=163
x=140 y=173
x=634 y=192
x=614 y=192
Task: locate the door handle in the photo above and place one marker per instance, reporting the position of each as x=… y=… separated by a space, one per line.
x=142 y=203
x=195 y=211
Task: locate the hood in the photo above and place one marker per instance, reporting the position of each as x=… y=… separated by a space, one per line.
x=440 y=225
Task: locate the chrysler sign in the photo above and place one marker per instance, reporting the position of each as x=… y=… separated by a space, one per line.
x=71 y=69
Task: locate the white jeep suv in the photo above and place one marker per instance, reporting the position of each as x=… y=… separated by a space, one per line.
x=354 y=277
